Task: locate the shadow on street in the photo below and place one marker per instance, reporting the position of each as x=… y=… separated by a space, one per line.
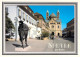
x=17 y=45
x=70 y=39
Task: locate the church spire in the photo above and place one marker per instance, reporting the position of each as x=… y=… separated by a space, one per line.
x=57 y=10
x=47 y=11
x=58 y=14
x=47 y=15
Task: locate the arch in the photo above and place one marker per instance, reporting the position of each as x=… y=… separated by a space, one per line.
x=58 y=34
x=52 y=33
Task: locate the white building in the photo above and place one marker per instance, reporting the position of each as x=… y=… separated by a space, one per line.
x=24 y=13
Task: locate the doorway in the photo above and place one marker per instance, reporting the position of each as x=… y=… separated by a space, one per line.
x=58 y=34
x=52 y=33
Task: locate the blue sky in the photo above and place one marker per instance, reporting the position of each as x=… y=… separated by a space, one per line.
x=66 y=12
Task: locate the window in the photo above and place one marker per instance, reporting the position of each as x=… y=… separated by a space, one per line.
x=58 y=23
x=33 y=14
x=23 y=16
x=52 y=23
x=26 y=7
x=58 y=26
x=52 y=26
x=19 y=13
x=37 y=16
x=30 y=11
x=27 y=20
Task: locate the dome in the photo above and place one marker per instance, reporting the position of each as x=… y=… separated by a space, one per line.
x=36 y=13
x=52 y=15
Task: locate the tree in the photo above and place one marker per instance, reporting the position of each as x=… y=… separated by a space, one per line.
x=45 y=34
x=8 y=23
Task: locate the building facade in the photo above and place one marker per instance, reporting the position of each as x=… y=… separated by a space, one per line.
x=54 y=23
x=24 y=13
x=64 y=33
x=41 y=23
x=70 y=28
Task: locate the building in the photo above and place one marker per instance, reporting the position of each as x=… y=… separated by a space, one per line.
x=54 y=23
x=70 y=28
x=64 y=33
x=24 y=13
x=41 y=23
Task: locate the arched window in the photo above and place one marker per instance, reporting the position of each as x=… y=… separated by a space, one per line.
x=52 y=26
x=58 y=26
x=58 y=23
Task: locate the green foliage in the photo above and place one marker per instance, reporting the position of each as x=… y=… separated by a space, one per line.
x=45 y=34
x=8 y=23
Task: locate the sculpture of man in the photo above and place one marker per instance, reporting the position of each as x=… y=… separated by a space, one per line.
x=23 y=32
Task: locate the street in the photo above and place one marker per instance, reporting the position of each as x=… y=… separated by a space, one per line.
x=34 y=45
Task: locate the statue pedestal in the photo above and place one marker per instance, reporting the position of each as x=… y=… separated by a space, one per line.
x=20 y=49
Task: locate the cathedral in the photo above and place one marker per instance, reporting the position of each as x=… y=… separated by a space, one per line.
x=54 y=23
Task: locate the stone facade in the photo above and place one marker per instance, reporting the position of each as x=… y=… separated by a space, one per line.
x=54 y=24
x=64 y=33
x=70 y=28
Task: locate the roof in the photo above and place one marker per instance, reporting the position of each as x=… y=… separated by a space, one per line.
x=47 y=11
x=58 y=11
x=37 y=14
x=27 y=11
x=58 y=20
x=47 y=21
x=52 y=15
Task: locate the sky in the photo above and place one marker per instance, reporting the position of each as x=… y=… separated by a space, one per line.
x=66 y=12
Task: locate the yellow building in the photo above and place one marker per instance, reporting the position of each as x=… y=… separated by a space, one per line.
x=54 y=24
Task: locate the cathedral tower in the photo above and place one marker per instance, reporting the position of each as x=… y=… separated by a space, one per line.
x=47 y=15
x=58 y=14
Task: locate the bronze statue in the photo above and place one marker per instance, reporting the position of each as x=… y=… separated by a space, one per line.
x=23 y=32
